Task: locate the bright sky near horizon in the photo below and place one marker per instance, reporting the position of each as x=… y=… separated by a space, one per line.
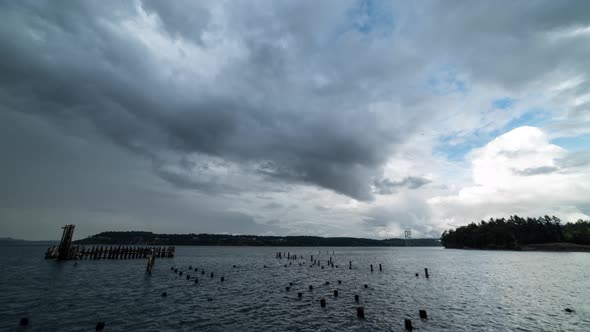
x=332 y=118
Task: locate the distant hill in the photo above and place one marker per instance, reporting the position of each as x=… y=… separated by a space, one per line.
x=149 y=238
x=7 y=241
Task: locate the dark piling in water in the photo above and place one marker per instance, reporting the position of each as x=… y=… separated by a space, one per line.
x=339 y=282
x=310 y=287
x=287 y=288
x=299 y=295
x=188 y=276
x=360 y=312
x=423 y=314
x=99 y=326
x=211 y=274
x=426 y=272
x=196 y=280
x=350 y=265
x=335 y=293
x=356 y=298
x=164 y=294
x=323 y=303
x=222 y=279
x=408 y=325
x=380 y=268
x=23 y=322
x=371 y=267
x=366 y=286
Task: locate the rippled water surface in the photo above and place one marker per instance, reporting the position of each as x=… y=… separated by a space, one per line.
x=466 y=291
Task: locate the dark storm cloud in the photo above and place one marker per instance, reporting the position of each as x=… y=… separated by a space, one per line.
x=388 y=187
x=60 y=62
x=223 y=99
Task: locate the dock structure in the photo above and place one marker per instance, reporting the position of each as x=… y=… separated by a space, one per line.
x=65 y=251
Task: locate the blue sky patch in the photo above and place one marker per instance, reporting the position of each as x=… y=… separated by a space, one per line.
x=503 y=103
x=446 y=81
x=575 y=143
x=370 y=16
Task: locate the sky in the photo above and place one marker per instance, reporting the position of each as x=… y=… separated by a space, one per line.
x=329 y=118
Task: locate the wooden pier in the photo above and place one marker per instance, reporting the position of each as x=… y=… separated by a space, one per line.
x=65 y=250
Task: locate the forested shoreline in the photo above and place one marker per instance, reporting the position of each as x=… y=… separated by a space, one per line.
x=149 y=238
x=516 y=233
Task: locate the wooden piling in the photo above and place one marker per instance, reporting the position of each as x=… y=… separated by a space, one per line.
x=335 y=293
x=323 y=303
x=426 y=272
x=100 y=326
x=380 y=269
x=371 y=267
x=350 y=265
x=408 y=325
x=423 y=314
x=356 y=298
x=360 y=312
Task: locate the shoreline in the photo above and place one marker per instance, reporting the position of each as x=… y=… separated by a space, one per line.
x=547 y=247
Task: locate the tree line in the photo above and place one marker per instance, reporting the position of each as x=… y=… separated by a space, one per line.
x=149 y=238
x=516 y=232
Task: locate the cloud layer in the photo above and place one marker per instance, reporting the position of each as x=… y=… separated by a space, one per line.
x=339 y=117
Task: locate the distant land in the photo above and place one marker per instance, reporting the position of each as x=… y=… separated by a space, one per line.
x=7 y=241
x=149 y=238
x=516 y=233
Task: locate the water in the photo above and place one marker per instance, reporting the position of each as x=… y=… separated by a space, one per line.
x=466 y=291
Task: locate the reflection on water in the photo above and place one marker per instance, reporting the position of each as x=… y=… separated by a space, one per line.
x=466 y=291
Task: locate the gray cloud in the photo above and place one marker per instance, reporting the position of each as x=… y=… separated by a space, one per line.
x=224 y=99
x=108 y=77
x=535 y=170
x=388 y=187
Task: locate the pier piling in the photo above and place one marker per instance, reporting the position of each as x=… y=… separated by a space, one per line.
x=423 y=314
x=426 y=272
x=323 y=303
x=408 y=325
x=360 y=312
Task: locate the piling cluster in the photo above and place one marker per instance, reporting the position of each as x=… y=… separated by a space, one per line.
x=316 y=262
